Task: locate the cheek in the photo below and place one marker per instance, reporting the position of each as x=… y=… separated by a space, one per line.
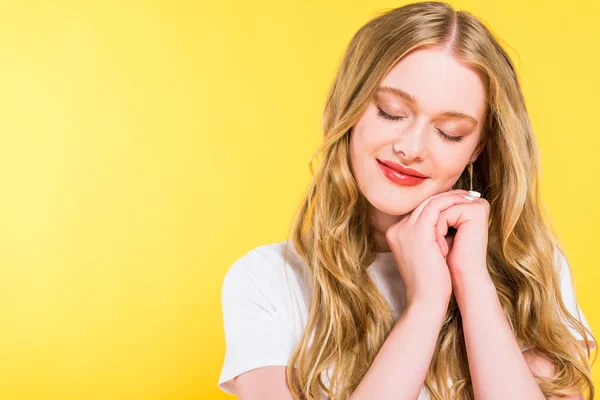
x=358 y=153
x=451 y=174
x=362 y=153
x=447 y=163
x=368 y=138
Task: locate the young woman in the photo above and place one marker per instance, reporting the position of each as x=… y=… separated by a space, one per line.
x=420 y=264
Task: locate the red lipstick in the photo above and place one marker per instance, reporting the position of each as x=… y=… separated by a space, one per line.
x=400 y=175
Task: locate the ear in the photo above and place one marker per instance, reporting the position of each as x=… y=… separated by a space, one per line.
x=478 y=150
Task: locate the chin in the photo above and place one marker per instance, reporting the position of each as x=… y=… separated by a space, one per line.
x=395 y=208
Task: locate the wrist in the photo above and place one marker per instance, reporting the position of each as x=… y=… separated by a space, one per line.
x=474 y=285
x=429 y=304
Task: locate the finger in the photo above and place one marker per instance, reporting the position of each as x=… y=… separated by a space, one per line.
x=441 y=240
x=431 y=212
x=416 y=213
x=452 y=217
x=441 y=230
x=443 y=236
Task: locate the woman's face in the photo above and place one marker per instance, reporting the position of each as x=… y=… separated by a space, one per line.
x=448 y=98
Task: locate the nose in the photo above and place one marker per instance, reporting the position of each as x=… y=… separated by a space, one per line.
x=411 y=141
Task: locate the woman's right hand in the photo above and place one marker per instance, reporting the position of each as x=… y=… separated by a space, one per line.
x=417 y=251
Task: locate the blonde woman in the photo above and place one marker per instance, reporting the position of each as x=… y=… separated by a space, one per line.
x=420 y=265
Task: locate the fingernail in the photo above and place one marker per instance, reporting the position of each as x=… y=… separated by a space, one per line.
x=468 y=197
x=474 y=193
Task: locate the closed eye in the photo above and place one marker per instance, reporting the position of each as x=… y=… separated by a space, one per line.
x=385 y=115
x=389 y=117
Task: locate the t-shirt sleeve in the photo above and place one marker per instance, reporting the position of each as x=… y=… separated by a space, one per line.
x=570 y=300
x=255 y=335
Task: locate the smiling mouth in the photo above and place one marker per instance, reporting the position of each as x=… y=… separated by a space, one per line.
x=401 y=169
x=399 y=178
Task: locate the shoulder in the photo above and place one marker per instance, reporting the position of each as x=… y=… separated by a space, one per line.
x=264 y=274
x=257 y=317
x=263 y=264
x=569 y=296
x=563 y=271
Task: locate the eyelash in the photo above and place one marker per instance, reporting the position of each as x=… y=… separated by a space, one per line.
x=389 y=117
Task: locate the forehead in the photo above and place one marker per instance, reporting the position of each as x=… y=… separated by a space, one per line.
x=439 y=82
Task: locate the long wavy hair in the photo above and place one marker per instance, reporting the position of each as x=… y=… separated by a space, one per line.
x=349 y=319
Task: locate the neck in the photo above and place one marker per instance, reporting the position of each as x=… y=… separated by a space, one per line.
x=380 y=223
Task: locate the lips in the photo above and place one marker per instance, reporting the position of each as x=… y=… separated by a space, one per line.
x=401 y=169
x=399 y=178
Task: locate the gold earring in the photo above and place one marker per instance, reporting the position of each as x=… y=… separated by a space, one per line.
x=470 y=175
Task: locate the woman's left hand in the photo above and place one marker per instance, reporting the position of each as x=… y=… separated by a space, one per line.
x=466 y=252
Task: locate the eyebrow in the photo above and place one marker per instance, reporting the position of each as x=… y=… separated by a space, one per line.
x=413 y=100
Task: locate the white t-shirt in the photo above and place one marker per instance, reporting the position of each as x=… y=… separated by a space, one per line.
x=262 y=330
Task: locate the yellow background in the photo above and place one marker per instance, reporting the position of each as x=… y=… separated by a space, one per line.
x=145 y=146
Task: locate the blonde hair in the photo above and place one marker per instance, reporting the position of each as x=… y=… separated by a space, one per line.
x=349 y=318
